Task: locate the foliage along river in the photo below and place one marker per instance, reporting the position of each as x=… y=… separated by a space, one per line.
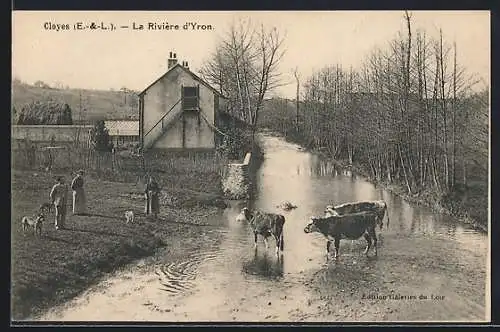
x=219 y=276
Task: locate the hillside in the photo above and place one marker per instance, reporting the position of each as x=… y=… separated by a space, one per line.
x=99 y=104
x=117 y=105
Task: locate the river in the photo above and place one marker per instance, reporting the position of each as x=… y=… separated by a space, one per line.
x=428 y=268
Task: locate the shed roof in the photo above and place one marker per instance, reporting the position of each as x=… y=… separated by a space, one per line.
x=122 y=127
x=196 y=77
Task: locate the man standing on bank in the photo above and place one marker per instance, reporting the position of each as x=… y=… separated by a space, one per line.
x=152 y=193
x=79 y=202
x=58 y=197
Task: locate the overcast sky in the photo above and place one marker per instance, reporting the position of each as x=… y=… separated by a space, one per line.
x=134 y=59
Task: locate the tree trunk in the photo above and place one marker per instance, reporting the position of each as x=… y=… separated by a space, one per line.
x=443 y=102
x=454 y=111
x=404 y=171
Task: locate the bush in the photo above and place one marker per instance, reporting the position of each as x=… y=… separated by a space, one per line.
x=100 y=137
x=237 y=138
x=235 y=144
x=45 y=113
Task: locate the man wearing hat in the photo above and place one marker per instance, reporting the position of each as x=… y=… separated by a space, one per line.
x=58 y=197
x=79 y=202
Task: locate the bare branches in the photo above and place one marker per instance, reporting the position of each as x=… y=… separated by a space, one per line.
x=409 y=113
x=245 y=67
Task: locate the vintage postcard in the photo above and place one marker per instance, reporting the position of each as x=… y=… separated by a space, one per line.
x=285 y=166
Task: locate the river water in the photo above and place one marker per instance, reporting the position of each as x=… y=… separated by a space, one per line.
x=428 y=267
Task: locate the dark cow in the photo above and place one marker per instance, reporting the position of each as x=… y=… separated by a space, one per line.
x=379 y=207
x=266 y=224
x=350 y=226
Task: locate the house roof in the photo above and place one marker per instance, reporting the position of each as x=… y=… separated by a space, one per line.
x=122 y=127
x=196 y=77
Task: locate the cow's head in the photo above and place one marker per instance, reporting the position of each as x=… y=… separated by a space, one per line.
x=330 y=211
x=40 y=218
x=312 y=225
x=246 y=212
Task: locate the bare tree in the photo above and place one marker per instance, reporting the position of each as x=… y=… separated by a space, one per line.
x=245 y=68
x=297 y=97
x=410 y=115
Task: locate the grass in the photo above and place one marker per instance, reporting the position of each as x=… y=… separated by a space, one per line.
x=59 y=265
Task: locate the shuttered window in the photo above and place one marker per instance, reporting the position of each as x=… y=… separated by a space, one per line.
x=190 y=97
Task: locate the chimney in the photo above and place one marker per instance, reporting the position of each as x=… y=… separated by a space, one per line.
x=172 y=61
x=186 y=65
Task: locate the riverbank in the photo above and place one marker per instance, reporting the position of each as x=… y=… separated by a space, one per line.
x=247 y=285
x=50 y=270
x=426 y=197
x=452 y=205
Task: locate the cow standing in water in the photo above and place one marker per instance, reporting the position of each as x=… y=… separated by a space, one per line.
x=378 y=207
x=351 y=226
x=266 y=224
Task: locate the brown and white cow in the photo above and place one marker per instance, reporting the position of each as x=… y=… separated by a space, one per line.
x=379 y=207
x=349 y=226
x=266 y=224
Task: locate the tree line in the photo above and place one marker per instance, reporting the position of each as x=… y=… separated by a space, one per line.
x=410 y=114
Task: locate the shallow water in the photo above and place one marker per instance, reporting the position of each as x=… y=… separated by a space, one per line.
x=223 y=278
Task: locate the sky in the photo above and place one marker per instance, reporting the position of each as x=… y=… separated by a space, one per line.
x=124 y=57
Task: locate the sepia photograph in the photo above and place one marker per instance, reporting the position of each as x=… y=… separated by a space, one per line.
x=250 y=166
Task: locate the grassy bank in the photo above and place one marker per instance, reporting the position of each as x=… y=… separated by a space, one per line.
x=59 y=265
x=452 y=205
x=468 y=205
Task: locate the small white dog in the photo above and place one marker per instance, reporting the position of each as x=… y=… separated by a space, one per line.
x=34 y=222
x=129 y=216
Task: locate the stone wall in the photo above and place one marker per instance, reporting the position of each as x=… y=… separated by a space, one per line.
x=236 y=182
x=45 y=133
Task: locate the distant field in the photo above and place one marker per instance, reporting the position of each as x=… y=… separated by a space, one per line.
x=99 y=104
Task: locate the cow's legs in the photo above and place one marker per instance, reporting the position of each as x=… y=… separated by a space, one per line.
x=279 y=243
x=373 y=235
x=282 y=242
x=255 y=239
x=337 y=246
x=265 y=242
x=328 y=245
x=369 y=240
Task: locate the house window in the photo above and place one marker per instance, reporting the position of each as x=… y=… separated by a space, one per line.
x=190 y=97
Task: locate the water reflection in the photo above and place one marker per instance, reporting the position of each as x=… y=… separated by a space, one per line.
x=312 y=182
x=266 y=265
